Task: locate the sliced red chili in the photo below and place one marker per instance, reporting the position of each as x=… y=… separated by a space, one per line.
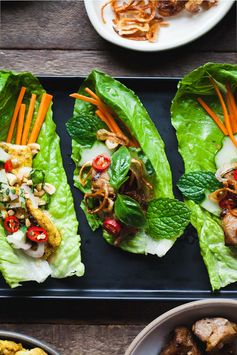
x=235 y=174
x=227 y=203
x=8 y=166
x=101 y=162
x=37 y=234
x=112 y=226
x=11 y=224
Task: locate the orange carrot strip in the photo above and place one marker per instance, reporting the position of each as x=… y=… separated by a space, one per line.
x=231 y=116
x=102 y=107
x=103 y=118
x=213 y=115
x=20 y=123
x=15 y=114
x=90 y=92
x=28 y=120
x=84 y=98
x=43 y=109
x=225 y=112
x=232 y=107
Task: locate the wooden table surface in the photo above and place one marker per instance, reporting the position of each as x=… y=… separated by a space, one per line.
x=55 y=37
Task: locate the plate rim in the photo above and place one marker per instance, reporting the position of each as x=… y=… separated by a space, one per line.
x=132 y=45
x=21 y=337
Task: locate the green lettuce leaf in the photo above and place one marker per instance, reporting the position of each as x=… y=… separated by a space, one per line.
x=127 y=106
x=14 y=265
x=199 y=140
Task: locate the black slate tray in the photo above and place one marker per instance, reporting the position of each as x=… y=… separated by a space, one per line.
x=110 y=272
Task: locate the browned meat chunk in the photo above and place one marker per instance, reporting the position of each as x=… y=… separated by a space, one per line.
x=170 y=7
x=215 y=332
x=229 y=224
x=230 y=349
x=182 y=343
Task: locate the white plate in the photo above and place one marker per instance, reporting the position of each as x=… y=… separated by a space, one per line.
x=183 y=28
x=155 y=335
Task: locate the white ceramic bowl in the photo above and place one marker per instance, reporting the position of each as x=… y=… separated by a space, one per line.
x=27 y=341
x=183 y=28
x=153 y=337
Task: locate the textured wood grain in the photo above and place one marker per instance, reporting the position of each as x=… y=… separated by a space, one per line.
x=65 y=25
x=55 y=37
x=76 y=339
x=114 y=62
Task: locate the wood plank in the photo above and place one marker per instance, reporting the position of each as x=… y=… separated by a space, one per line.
x=76 y=339
x=65 y=25
x=59 y=62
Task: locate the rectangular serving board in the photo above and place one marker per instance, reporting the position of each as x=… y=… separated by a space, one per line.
x=111 y=273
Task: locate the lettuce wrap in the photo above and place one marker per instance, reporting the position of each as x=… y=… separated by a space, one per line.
x=199 y=141
x=16 y=266
x=165 y=218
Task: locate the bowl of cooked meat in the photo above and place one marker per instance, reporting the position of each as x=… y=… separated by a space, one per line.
x=196 y=328
x=12 y=343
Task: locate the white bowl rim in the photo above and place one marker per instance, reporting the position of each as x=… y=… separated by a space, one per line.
x=133 y=45
x=15 y=336
x=163 y=317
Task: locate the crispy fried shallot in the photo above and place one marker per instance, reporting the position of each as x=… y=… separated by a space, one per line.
x=140 y=20
x=110 y=137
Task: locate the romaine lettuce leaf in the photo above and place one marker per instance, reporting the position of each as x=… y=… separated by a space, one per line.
x=127 y=106
x=15 y=266
x=199 y=140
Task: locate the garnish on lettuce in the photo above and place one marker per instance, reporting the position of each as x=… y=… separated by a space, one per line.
x=199 y=141
x=83 y=127
x=166 y=218
x=122 y=103
x=195 y=185
x=119 y=167
x=15 y=266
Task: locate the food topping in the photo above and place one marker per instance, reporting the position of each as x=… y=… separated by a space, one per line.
x=112 y=226
x=101 y=163
x=106 y=116
x=141 y=20
x=229 y=109
x=37 y=234
x=11 y=224
x=8 y=166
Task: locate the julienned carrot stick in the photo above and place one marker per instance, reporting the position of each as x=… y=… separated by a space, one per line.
x=15 y=114
x=28 y=120
x=84 y=98
x=20 y=123
x=92 y=94
x=103 y=118
x=43 y=109
x=232 y=107
x=213 y=115
x=225 y=112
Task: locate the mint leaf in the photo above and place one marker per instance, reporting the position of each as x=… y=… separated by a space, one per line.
x=194 y=185
x=167 y=218
x=119 y=167
x=83 y=128
x=128 y=211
